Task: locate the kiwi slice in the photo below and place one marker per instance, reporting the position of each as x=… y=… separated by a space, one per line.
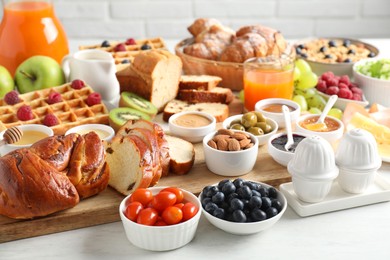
x=119 y=116
x=132 y=100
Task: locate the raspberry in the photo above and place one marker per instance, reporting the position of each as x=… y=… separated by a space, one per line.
x=50 y=120
x=120 y=47
x=54 y=97
x=327 y=75
x=12 y=97
x=345 y=93
x=130 y=41
x=357 y=90
x=321 y=86
x=352 y=85
x=332 y=82
x=93 y=99
x=333 y=90
x=77 y=84
x=343 y=85
x=25 y=113
x=357 y=97
x=345 y=79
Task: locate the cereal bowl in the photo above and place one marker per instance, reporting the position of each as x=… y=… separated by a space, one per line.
x=230 y=163
x=375 y=90
x=332 y=134
x=262 y=139
x=105 y=132
x=31 y=134
x=264 y=106
x=191 y=125
x=161 y=238
x=245 y=228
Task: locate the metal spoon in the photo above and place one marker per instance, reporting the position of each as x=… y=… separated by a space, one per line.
x=11 y=135
x=287 y=121
x=320 y=125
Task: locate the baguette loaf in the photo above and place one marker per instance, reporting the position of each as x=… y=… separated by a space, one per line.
x=182 y=155
x=215 y=95
x=153 y=75
x=199 y=82
x=218 y=110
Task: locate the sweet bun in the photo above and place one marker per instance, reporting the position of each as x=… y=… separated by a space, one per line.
x=202 y=24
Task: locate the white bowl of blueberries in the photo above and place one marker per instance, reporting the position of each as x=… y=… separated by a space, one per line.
x=242 y=207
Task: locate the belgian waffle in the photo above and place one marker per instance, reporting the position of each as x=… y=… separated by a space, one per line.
x=122 y=57
x=71 y=111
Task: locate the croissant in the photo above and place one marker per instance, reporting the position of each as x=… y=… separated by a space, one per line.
x=52 y=175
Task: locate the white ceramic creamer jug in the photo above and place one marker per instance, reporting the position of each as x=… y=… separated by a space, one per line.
x=96 y=68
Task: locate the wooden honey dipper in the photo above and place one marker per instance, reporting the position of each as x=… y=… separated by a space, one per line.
x=11 y=135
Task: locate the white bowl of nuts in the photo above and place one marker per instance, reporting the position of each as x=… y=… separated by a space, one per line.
x=230 y=152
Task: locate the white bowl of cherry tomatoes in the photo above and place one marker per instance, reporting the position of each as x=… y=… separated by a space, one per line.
x=160 y=218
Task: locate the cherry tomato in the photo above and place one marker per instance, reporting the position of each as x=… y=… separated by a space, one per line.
x=189 y=210
x=179 y=205
x=178 y=192
x=172 y=215
x=147 y=217
x=133 y=210
x=142 y=195
x=163 y=200
x=160 y=223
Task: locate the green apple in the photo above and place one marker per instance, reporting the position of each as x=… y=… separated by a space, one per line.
x=6 y=82
x=38 y=72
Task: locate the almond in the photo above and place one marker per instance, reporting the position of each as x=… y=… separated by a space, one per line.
x=249 y=146
x=233 y=145
x=212 y=144
x=244 y=143
x=223 y=131
x=217 y=137
x=239 y=136
x=222 y=144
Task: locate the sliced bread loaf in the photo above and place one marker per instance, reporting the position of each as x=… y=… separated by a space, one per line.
x=199 y=82
x=218 y=110
x=182 y=155
x=215 y=95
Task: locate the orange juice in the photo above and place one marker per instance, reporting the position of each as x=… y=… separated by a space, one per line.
x=28 y=29
x=263 y=81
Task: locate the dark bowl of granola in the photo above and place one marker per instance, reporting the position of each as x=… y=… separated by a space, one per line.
x=334 y=54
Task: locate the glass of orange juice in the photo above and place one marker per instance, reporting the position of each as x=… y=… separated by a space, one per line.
x=30 y=28
x=268 y=77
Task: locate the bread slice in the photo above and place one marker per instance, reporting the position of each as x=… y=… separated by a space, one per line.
x=218 y=110
x=130 y=163
x=153 y=75
x=215 y=95
x=199 y=82
x=158 y=131
x=182 y=155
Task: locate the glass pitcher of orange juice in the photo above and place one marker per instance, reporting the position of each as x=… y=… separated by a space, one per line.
x=268 y=77
x=30 y=28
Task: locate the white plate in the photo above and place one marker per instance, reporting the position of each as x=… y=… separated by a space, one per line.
x=342 y=102
x=337 y=199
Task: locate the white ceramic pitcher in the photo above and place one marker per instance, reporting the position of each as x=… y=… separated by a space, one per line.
x=96 y=68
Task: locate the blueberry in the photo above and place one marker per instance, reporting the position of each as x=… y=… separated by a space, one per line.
x=236 y=204
x=255 y=202
x=272 y=193
x=221 y=183
x=211 y=191
x=277 y=205
x=231 y=196
x=210 y=207
x=298 y=50
x=347 y=60
x=105 y=44
x=346 y=43
x=271 y=212
x=225 y=205
x=219 y=213
x=304 y=55
x=228 y=188
x=258 y=215
x=256 y=193
x=263 y=191
x=371 y=55
x=218 y=197
x=125 y=61
x=266 y=203
x=246 y=204
x=238 y=182
x=145 y=47
x=332 y=43
x=205 y=201
x=206 y=190
x=351 y=51
x=252 y=185
x=301 y=46
x=323 y=49
x=244 y=192
x=328 y=56
x=239 y=216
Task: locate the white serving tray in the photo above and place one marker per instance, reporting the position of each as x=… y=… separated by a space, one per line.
x=337 y=199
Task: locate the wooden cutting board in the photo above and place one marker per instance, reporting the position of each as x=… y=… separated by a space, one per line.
x=103 y=208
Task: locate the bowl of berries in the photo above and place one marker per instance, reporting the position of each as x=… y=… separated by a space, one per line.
x=342 y=86
x=242 y=207
x=160 y=218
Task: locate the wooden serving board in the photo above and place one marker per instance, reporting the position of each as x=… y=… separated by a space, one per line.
x=103 y=208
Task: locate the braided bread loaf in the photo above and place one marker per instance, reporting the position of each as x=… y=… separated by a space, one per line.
x=52 y=175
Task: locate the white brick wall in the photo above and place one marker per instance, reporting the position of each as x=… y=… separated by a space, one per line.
x=119 y=19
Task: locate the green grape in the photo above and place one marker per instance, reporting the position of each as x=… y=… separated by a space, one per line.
x=301 y=102
x=317 y=101
x=307 y=80
x=303 y=66
x=314 y=110
x=308 y=93
x=241 y=96
x=336 y=112
x=297 y=74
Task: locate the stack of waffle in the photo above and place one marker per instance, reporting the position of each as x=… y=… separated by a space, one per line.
x=71 y=111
